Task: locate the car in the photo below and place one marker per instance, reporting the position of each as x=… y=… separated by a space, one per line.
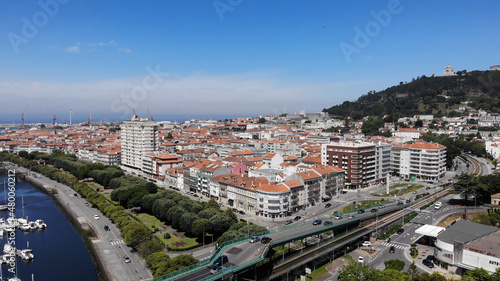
x=414 y=192
x=195 y=195
x=338 y=217
x=241 y=212
x=297 y=218
x=400 y=231
x=265 y=240
x=328 y=223
x=235 y=210
x=400 y=203
x=106 y=228
x=216 y=269
x=361 y=211
x=361 y=259
x=350 y=217
x=438 y=205
x=428 y=263
x=221 y=260
x=427 y=188
x=288 y=222
x=87 y=204
x=97 y=217
x=254 y=239
x=374 y=210
x=317 y=222
x=407 y=200
x=328 y=205
x=430 y=257
x=381 y=206
x=366 y=244
x=392 y=249
x=126 y=259
x=74 y=194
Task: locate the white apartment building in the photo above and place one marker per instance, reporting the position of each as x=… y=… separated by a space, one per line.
x=419 y=160
x=139 y=137
x=382 y=161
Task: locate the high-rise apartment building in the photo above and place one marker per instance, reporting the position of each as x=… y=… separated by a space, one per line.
x=356 y=158
x=139 y=137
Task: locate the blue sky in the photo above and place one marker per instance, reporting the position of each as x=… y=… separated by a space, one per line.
x=227 y=58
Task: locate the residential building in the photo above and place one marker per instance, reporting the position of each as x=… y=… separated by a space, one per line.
x=139 y=136
x=419 y=160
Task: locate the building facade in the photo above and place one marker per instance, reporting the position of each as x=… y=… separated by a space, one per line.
x=139 y=137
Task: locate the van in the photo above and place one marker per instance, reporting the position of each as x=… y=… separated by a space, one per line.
x=438 y=205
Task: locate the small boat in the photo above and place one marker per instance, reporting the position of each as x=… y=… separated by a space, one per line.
x=26 y=254
x=3 y=207
x=8 y=249
x=9 y=228
x=14 y=279
x=25 y=227
x=32 y=225
x=40 y=224
x=12 y=221
x=22 y=221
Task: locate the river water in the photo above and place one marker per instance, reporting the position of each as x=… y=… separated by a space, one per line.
x=60 y=252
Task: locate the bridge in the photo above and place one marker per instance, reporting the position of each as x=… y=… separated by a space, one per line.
x=249 y=258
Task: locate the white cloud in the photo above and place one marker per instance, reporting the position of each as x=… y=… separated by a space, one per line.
x=195 y=95
x=125 y=50
x=72 y=49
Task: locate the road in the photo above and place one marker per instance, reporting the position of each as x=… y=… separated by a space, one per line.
x=109 y=245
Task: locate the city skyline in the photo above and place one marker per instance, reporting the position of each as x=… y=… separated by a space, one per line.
x=224 y=58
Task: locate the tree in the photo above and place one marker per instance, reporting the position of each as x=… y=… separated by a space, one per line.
x=413 y=271
x=169 y=136
x=479 y=274
x=201 y=226
x=393 y=275
x=394 y=264
x=356 y=271
x=212 y=204
x=136 y=233
x=467 y=185
x=262 y=120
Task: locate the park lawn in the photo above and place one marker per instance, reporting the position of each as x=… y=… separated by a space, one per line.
x=412 y=188
x=96 y=186
x=319 y=272
x=108 y=197
x=364 y=204
x=186 y=242
x=150 y=221
x=397 y=185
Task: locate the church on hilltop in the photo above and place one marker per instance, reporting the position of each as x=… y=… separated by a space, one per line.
x=449 y=71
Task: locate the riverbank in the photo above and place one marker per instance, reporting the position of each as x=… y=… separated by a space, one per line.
x=86 y=231
x=107 y=248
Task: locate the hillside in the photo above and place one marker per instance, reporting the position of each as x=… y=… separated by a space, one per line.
x=427 y=95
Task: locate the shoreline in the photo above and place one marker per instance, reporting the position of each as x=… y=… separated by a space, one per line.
x=86 y=232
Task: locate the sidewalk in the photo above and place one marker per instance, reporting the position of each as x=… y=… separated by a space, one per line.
x=423 y=252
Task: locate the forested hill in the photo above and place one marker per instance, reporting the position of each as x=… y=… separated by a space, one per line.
x=427 y=95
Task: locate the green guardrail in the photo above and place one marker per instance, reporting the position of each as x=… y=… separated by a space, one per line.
x=207 y=261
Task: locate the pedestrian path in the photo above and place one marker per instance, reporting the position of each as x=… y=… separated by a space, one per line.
x=397 y=246
x=117 y=242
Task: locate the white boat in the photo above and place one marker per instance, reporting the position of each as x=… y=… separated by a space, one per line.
x=26 y=254
x=14 y=279
x=25 y=227
x=4 y=207
x=9 y=228
x=32 y=225
x=12 y=221
x=40 y=224
x=8 y=249
x=22 y=221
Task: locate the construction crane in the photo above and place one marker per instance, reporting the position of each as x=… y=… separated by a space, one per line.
x=53 y=117
x=150 y=116
x=22 y=117
x=90 y=117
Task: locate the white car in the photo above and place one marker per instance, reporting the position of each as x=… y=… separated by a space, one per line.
x=366 y=244
x=361 y=259
x=97 y=217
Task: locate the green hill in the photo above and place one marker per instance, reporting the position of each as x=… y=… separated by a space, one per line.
x=427 y=95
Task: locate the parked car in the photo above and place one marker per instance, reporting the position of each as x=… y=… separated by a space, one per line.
x=392 y=249
x=241 y=212
x=361 y=259
x=428 y=263
x=217 y=269
x=221 y=260
x=328 y=205
x=400 y=231
x=374 y=210
x=254 y=239
x=317 y=222
x=288 y=222
x=235 y=210
x=366 y=244
x=297 y=218
x=265 y=240
x=361 y=211
x=328 y=223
